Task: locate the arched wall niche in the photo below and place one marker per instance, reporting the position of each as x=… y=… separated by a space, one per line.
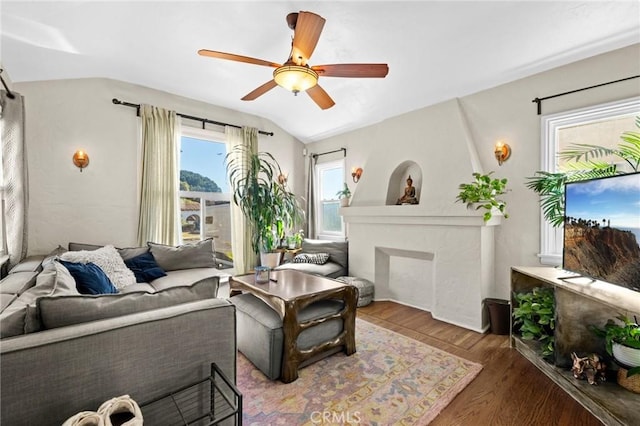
x=398 y=181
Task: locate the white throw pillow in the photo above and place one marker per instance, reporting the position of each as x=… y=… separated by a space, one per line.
x=109 y=260
x=315 y=258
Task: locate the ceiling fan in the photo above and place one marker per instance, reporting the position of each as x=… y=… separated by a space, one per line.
x=295 y=74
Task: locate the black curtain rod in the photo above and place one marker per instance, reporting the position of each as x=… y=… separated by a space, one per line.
x=9 y=94
x=190 y=117
x=539 y=100
x=315 y=156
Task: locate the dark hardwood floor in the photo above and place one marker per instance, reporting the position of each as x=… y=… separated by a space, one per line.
x=508 y=391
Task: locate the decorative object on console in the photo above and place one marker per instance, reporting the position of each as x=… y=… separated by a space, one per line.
x=589 y=367
x=344 y=195
x=502 y=152
x=356 y=173
x=81 y=159
x=483 y=192
x=409 y=196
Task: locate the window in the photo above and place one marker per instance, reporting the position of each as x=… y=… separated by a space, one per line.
x=204 y=192
x=330 y=180
x=597 y=125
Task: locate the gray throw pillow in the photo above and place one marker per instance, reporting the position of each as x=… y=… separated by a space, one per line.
x=315 y=258
x=131 y=252
x=187 y=256
x=63 y=311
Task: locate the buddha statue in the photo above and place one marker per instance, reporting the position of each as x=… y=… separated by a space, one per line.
x=409 y=196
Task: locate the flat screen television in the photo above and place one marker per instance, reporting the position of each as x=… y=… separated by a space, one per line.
x=602 y=229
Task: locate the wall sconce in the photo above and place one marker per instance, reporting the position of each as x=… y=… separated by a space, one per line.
x=502 y=152
x=80 y=159
x=283 y=178
x=356 y=173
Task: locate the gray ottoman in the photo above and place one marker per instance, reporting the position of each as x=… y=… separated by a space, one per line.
x=260 y=336
x=365 y=289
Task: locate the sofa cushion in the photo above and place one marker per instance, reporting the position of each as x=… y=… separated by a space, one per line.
x=187 y=256
x=187 y=277
x=131 y=252
x=145 y=268
x=83 y=246
x=329 y=269
x=18 y=282
x=338 y=250
x=6 y=299
x=90 y=279
x=20 y=317
x=62 y=311
x=108 y=259
x=28 y=264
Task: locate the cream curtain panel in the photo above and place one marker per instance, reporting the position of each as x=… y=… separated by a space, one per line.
x=310 y=230
x=15 y=188
x=159 y=219
x=244 y=259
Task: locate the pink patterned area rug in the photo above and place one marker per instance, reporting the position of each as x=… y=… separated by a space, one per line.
x=390 y=380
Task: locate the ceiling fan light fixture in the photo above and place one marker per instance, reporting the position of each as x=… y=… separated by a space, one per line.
x=295 y=78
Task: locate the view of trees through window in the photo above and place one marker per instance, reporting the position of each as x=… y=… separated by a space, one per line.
x=204 y=196
x=330 y=180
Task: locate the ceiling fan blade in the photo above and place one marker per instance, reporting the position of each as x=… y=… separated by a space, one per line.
x=320 y=97
x=352 y=70
x=306 y=36
x=260 y=90
x=237 y=58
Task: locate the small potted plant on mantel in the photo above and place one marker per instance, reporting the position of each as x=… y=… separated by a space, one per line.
x=483 y=193
x=344 y=195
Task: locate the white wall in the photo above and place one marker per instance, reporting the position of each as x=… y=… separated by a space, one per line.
x=99 y=205
x=434 y=137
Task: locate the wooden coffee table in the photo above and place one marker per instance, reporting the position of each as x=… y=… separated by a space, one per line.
x=288 y=294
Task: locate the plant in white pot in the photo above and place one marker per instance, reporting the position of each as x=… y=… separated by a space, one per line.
x=344 y=195
x=622 y=341
x=266 y=203
x=483 y=193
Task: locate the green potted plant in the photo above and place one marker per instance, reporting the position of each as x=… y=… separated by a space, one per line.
x=344 y=195
x=534 y=317
x=622 y=341
x=267 y=204
x=483 y=193
x=582 y=163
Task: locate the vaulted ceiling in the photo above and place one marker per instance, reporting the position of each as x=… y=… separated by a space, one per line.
x=436 y=50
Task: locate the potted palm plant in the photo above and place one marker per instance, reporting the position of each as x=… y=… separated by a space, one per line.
x=266 y=202
x=583 y=162
x=483 y=193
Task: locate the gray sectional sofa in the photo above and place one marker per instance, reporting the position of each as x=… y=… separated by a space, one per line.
x=62 y=352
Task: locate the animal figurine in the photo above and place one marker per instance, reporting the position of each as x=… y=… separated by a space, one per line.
x=590 y=367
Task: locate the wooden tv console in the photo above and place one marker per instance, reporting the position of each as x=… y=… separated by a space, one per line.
x=581 y=302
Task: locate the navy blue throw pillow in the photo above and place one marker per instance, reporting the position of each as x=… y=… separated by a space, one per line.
x=145 y=268
x=90 y=279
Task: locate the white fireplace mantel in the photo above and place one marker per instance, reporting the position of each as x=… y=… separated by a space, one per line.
x=450 y=269
x=413 y=215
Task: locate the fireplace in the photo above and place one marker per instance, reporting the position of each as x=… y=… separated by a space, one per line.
x=443 y=264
